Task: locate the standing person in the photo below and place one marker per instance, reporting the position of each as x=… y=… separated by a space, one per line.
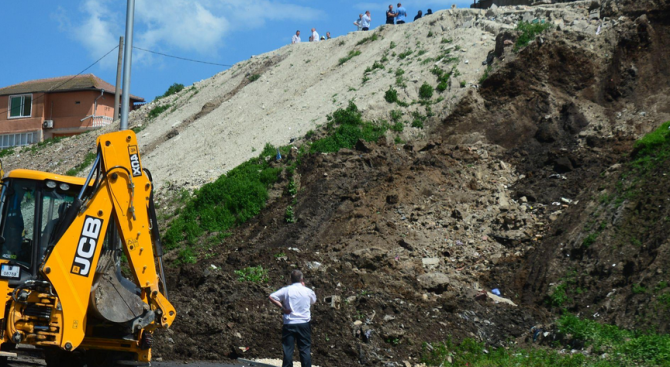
x=359 y=23
x=401 y=14
x=315 y=36
x=419 y=15
x=295 y=301
x=429 y=12
x=390 y=15
x=296 y=38
x=366 y=21
x=327 y=35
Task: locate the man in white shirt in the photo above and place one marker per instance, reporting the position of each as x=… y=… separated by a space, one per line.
x=295 y=301
x=315 y=36
x=365 y=21
x=296 y=38
x=359 y=22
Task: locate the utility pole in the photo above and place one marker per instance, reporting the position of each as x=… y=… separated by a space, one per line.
x=117 y=94
x=127 y=62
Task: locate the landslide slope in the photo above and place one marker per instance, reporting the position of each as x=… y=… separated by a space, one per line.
x=398 y=240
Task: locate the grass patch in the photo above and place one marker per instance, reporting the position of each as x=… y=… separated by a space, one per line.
x=88 y=159
x=173 y=89
x=528 y=32
x=404 y=55
x=486 y=74
x=156 y=111
x=346 y=127
x=392 y=45
x=39 y=146
x=7 y=151
x=289 y=215
x=254 y=274
x=611 y=347
x=391 y=95
x=426 y=91
x=398 y=127
x=231 y=200
x=254 y=77
x=396 y=115
x=446 y=40
x=365 y=40
x=350 y=56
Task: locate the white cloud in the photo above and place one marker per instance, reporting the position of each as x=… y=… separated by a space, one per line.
x=199 y=26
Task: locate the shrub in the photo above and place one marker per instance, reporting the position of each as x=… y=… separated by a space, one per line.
x=398 y=127
x=391 y=95
x=372 y=38
x=351 y=55
x=426 y=91
x=231 y=200
x=289 y=216
x=185 y=256
x=156 y=111
x=173 y=89
x=254 y=274
x=254 y=77
x=442 y=87
x=463 y=84
x=7 y=151
x=404 y=55
x=347 y=127
x=528 y=32
x=392 y=45
x=396 y=115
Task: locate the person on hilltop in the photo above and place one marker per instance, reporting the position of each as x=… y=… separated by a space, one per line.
x=295 y=301
x=419 y=15
x=429 y=12
x=327 y=35
x=390 y=15
x=401 y=14
x=359 y=23
x=367 y=19
x=296 y=38
x=315 y=36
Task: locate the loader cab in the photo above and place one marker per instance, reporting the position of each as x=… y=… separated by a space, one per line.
x=31 y=204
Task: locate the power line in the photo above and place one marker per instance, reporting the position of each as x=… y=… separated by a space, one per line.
x=74 y=76
x=81 y=72
x=181 y=58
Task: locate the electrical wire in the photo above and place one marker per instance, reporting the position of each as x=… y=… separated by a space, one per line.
x=181 y=58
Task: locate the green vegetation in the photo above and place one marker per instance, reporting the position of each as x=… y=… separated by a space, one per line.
x=391 y=95
x=254 y=77
x=610 y=347
x=376 y=65
x=156 y=111
x=346 y=127
x=88 y=159
x=254 y=274
x=398 y=127
x=392 y=45
x=528 y=33
x=396 y=115
x=7 y=151
x=426 y=91
x=185 y=256
x=231 y=200
x=36 y=147
x=372 y=38
x=639 y=289
x=463 y=84
x=173 y=89
x=289 y=215
x=351 y=55
x=430 y=34
x=447 y=40
x=404 y=55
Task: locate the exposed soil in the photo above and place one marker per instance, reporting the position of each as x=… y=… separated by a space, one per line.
x=501 y=195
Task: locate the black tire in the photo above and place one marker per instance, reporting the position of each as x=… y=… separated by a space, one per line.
x=4 y=362
x=57 y=358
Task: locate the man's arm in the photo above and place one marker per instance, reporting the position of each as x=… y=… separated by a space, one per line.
x=275 y=299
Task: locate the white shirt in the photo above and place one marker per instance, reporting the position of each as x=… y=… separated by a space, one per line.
x=297 y=298
x=315 y=36
x=365 y=21
x=296 y=39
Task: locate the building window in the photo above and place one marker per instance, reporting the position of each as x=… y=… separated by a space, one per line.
x=20 y=106
x=17 y=140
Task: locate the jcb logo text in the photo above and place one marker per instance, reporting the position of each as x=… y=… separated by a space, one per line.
x=88 y=242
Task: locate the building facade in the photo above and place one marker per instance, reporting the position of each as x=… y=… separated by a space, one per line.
x=33 y=111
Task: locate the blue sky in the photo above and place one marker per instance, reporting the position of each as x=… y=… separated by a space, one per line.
x=45 y=38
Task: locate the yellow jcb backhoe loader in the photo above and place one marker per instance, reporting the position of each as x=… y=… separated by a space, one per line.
x=62 y=242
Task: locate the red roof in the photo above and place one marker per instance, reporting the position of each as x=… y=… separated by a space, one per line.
x=63 y=84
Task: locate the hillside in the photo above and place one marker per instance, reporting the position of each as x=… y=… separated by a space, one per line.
x=541 y=176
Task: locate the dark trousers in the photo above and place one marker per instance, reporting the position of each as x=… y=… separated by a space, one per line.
x=400 y=22
x=302 y=333
x=366 y=28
